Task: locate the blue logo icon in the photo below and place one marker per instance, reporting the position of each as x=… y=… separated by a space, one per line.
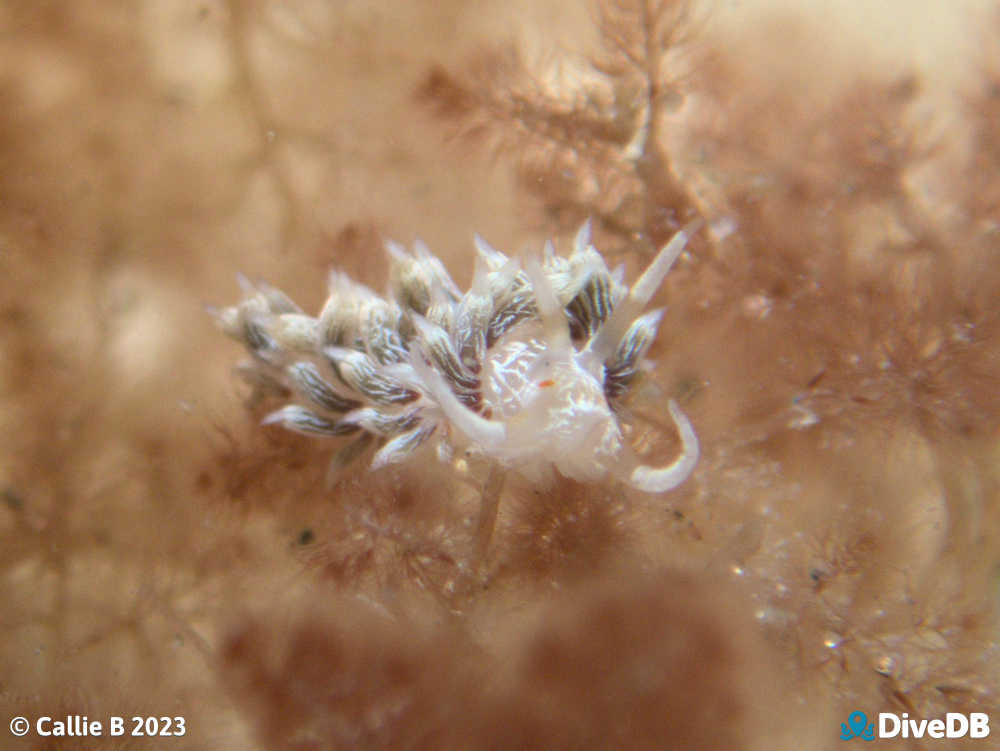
x=859 y=728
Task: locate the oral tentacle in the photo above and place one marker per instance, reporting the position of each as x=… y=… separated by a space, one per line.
x=626 y=311
x=489 y=434
x=662 y=479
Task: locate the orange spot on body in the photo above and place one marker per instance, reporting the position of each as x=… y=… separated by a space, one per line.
x=546 y=383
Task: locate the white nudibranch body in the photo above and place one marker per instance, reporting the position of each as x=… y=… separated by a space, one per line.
x=523 y=370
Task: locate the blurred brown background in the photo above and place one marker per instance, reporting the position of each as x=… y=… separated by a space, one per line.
x=832 y=335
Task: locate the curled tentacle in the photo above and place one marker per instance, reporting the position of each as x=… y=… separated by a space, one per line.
x=662 y=479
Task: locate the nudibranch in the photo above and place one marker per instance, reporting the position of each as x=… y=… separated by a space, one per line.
x=525 y=370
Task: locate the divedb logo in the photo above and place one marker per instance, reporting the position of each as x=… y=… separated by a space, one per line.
x=954 y=725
